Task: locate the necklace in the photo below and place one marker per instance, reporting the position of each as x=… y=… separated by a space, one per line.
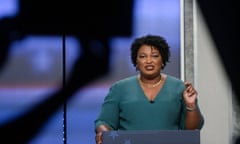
x=153 y=85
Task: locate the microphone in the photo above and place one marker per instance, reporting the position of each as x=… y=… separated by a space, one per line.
x=151 y=101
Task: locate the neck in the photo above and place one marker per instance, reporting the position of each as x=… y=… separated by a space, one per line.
x=151 y=84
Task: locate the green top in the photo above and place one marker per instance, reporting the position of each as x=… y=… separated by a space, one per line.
x=127 y=108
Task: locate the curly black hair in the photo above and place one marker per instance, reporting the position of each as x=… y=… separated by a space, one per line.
x=156 y=41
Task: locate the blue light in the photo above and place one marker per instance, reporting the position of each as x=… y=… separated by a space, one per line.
x=8 y=8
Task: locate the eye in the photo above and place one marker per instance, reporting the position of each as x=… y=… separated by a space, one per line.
x=141 y=56
x=155 y=55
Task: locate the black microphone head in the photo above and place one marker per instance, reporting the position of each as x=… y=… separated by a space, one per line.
x=151 y=101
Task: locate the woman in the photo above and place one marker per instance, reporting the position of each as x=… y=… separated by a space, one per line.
x=151 y=100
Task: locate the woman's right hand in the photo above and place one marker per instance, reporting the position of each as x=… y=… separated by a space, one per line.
x=98 y=138
x=99 y=131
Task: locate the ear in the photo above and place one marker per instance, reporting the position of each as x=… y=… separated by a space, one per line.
x=163 y=66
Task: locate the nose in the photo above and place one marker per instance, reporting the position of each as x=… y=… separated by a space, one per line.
x=149 y=60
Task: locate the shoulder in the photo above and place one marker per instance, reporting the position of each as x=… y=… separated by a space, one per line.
x=124 y=84
x=174 y=85
x=126 y=81
x=174 y=81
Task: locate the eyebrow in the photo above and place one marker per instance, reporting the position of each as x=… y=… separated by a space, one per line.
x=155 y=52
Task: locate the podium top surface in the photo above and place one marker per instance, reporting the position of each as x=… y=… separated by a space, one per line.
x=152 y=137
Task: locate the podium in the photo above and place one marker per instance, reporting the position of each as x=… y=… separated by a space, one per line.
x=152 y=137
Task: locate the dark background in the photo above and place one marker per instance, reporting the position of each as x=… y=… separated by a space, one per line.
x=59 y=58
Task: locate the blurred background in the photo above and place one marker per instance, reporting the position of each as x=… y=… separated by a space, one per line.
x=39 y=57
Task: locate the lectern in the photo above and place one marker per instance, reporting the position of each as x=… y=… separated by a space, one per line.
x=152 y=137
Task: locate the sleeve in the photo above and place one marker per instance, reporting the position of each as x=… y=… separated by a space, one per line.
x=109 y=114
x=183 y=113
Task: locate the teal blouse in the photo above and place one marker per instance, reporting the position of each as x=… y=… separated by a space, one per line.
x=127 y=108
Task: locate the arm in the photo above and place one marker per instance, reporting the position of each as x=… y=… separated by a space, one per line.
x=108 y=118
x=193 y=116
x=99 y=130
